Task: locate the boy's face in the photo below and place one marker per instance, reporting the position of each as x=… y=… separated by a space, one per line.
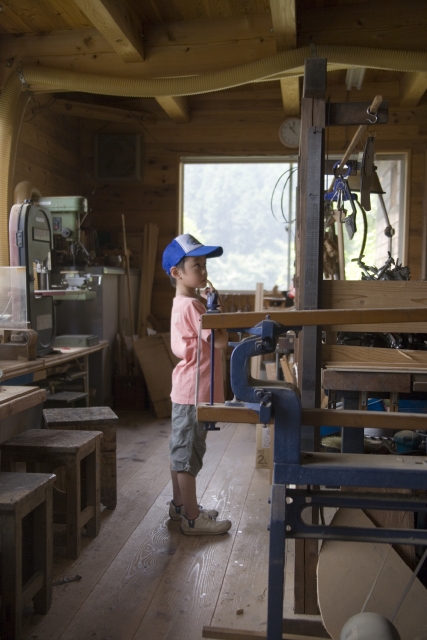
x=193 y=274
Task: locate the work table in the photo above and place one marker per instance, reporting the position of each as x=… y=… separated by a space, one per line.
x=13 y=369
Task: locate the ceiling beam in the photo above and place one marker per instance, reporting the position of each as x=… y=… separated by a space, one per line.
x=176 y=107
x=119 y=26
x=283 y=15
x=99 y=112
x=412 y=88
x=187 y=47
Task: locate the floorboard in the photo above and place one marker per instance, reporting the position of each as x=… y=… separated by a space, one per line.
x=193 y=579
x=141 y=578
x=242 y=603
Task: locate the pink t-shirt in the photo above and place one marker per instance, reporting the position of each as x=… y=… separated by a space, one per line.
x=185 y=324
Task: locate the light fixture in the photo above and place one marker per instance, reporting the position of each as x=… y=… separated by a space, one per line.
x=354 y=78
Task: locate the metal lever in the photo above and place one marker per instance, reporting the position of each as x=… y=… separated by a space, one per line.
x=212 y=305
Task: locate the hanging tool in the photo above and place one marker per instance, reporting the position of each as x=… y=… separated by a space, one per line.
x=366 y=172
x=340 y=194
x=371 y=119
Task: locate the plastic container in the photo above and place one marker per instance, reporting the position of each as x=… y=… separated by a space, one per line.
x=412 y=406
x=375 y=404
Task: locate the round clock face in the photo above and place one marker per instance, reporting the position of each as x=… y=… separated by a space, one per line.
x=289 y=132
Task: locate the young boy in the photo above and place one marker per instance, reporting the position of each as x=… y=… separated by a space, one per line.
x=184 y=260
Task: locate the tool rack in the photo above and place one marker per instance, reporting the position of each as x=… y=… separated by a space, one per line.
x=281 y=402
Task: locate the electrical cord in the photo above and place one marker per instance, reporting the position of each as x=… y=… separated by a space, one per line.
x=408 y=586
x=291 y=171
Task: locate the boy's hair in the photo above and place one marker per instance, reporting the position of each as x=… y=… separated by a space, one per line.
x=180 y=265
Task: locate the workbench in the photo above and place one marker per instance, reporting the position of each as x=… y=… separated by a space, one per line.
x=355 y=387
x=42 y=367
x=308 y=469
x=20 y=409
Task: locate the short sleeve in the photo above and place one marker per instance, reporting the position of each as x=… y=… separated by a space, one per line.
x=196 y=310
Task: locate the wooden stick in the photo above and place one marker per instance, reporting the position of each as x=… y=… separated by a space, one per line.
x=311 y=317
x=360 y=131
x=319 y=417
x=128 y=277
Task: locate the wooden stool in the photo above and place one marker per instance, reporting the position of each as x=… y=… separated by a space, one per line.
x=99 y=418
x=22 y=494
x=58 y=448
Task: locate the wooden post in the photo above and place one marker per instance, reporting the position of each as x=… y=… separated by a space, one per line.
x=310 y=217
x=259 y=304
x=132 y=324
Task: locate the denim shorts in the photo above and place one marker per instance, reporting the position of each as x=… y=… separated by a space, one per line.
x=188 y=440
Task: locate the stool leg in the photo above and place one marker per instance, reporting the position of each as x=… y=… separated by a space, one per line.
x=11 y=576
x=73 y=533
x=6 y=461
x=93 y=489
x=43 y=552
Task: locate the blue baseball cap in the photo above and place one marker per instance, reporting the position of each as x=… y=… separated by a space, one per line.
x=186 y=245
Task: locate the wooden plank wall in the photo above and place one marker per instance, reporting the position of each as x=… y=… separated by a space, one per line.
x=48 y=153
x=238 y=122
x=241 y=122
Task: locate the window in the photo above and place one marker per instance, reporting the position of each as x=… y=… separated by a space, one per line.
x=249 y=209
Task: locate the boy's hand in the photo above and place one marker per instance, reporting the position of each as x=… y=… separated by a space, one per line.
x=208 y=289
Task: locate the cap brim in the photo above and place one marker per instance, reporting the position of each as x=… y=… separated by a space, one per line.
x=209 y=252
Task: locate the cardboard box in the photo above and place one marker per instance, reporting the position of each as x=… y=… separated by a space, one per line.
x=157 y=363
x=264 y=447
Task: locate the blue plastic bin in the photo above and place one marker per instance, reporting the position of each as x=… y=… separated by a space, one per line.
x=412 y=406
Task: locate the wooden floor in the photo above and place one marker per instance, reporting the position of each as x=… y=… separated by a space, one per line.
x=141 y=578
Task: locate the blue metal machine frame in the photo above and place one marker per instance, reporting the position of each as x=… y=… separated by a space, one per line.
x=294 y=467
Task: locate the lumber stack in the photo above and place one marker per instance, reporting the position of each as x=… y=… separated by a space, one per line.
x=157 y=363
x=149 y=253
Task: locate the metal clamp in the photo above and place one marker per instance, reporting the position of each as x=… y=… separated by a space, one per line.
x=22 y=79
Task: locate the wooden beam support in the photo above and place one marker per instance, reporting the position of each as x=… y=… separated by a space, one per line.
x=319 y=417
x=283 y=15
x=176 y=107
x=412 y=88
x=291 y=96
x=119 y=26
x=315 y=317
x=99 y=112
x=177 y=49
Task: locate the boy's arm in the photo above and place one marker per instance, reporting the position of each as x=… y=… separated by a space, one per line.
x=221 y=335
x=221 y=338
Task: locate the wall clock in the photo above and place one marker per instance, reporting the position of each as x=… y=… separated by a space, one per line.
x=289 y=132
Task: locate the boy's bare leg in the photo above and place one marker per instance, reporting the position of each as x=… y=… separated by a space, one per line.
x=187 y=486
x=177 y=496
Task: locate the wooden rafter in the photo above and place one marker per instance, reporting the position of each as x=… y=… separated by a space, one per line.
x=285 y=33
x=99 y=112
x=412 y=88
x=185 y=48
x=176 y=107
x=119 y=26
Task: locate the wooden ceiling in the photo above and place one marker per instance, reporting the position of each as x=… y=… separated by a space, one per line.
x=172 y=38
